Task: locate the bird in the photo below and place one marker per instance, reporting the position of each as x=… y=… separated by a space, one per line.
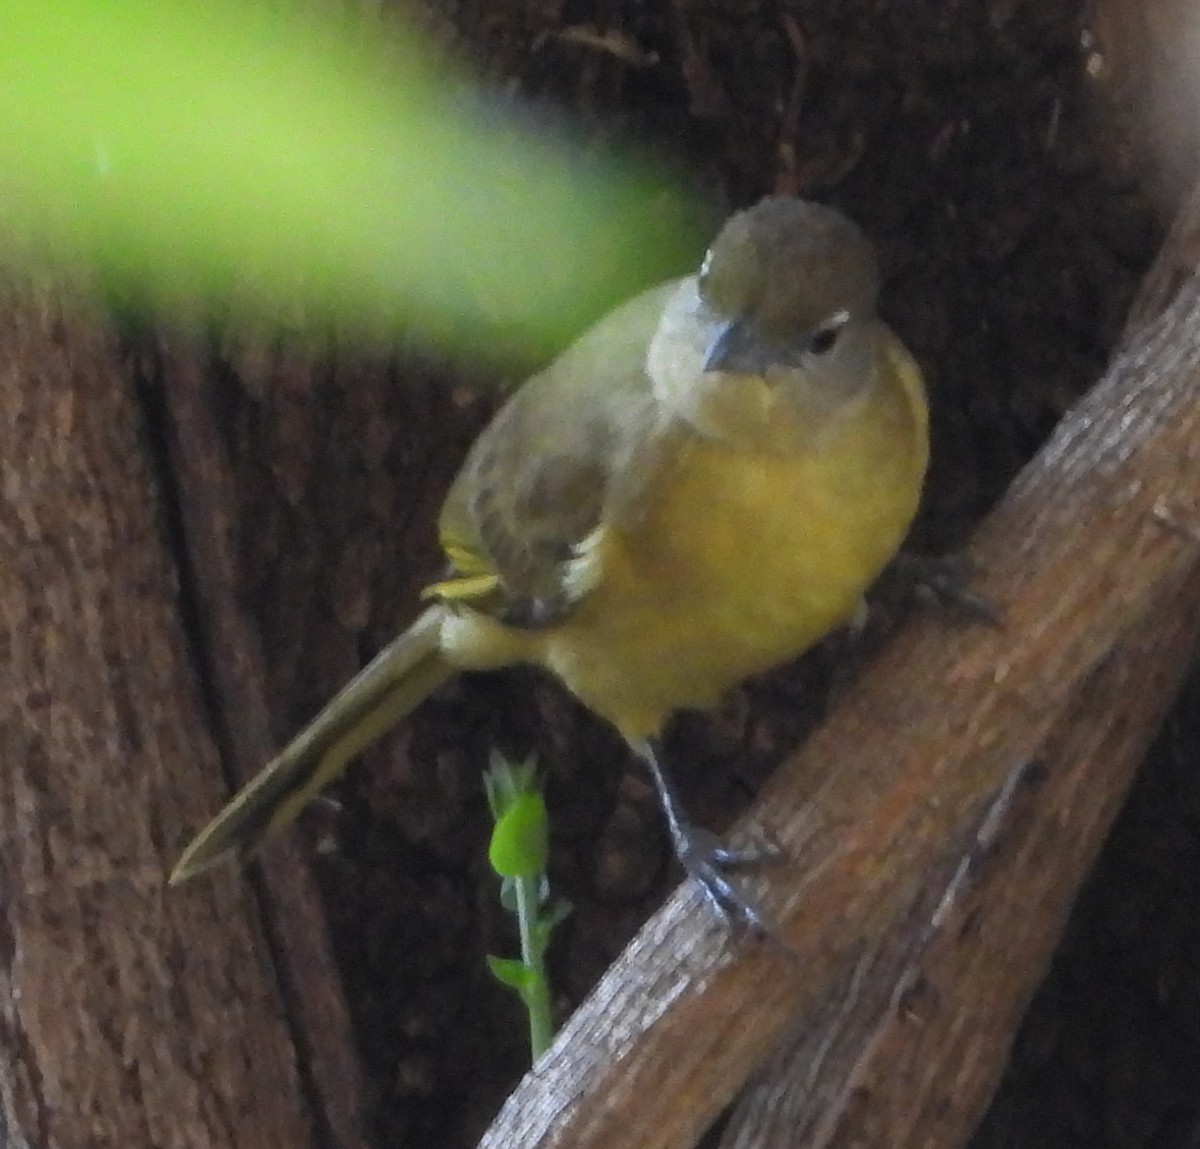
x=701 y=487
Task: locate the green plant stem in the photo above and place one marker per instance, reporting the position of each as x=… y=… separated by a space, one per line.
x=537 y=995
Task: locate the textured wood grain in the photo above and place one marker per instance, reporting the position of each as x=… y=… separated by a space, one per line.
x=919 y=1037
x=877 y=812
x=125 y=1019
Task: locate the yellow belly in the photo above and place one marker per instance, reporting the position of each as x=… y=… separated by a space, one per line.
x=740 y=562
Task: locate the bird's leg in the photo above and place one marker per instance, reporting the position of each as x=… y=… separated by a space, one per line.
x=700 y=852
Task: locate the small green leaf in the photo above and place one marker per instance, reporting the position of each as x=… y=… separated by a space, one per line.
x=512 y=973
x=521 y=840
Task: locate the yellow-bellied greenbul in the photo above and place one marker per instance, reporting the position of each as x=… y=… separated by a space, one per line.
x=699 y=488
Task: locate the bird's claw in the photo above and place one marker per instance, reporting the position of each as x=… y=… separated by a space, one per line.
x=945 y=581
x=705 y=859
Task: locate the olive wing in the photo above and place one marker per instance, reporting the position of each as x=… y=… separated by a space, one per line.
x=573 y=444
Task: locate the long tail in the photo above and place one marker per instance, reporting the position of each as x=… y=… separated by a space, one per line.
x=404 y=673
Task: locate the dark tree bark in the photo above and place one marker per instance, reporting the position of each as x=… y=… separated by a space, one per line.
x=128 y=1018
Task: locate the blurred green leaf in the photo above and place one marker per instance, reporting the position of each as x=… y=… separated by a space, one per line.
x=300 y=166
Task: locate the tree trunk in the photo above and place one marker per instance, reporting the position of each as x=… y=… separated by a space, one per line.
x=127 y=1019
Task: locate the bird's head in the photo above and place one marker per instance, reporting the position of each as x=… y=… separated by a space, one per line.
x=777 y=334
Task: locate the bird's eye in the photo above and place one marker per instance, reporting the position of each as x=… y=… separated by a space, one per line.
x=824 y=337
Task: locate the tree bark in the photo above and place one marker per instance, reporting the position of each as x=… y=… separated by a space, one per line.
x=126 y=1018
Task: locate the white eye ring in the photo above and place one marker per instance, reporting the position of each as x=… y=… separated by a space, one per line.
x=824 y=337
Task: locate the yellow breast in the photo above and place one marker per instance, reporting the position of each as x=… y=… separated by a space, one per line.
x=741 y=560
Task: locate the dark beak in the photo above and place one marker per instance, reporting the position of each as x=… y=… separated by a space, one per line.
x=738 y=349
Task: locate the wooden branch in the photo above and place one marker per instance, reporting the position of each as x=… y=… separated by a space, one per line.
x=948 y=738
x=125 y=1018
x=919 y=1039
